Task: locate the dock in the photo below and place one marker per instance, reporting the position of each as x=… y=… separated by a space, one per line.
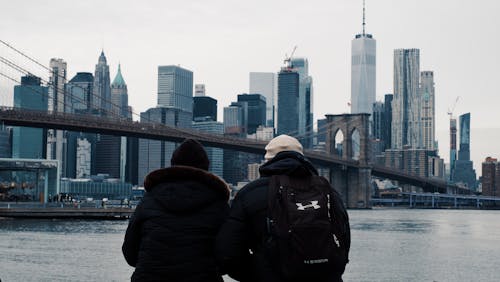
x=68 y=213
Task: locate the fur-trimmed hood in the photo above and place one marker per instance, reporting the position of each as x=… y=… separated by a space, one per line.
x=181 y=188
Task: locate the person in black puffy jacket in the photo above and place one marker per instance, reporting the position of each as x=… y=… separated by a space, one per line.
x=171 y=235
x=241 y=243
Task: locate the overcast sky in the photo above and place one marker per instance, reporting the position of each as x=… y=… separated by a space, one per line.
x=222 y=41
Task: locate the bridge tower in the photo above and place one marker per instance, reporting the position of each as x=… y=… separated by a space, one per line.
x=347 y=136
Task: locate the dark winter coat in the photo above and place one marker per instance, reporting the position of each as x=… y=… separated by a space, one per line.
x=246 y=229
x=171 y=236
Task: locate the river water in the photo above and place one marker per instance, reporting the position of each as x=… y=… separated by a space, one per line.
x=387 y=245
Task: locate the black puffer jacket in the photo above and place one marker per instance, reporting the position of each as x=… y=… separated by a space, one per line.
x=246 y=226
x=171 y=236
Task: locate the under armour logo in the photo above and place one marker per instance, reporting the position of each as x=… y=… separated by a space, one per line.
x=313 y=204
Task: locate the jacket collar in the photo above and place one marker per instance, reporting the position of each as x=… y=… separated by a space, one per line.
x=180 y=173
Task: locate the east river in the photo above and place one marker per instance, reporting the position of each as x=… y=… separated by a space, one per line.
x=387 y=245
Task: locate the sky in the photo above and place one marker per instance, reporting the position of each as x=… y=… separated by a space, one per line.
x=222 y=41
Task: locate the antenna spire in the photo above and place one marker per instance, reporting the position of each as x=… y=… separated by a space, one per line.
x=364 y=23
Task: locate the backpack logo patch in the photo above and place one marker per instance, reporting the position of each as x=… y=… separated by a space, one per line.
x=313 y=204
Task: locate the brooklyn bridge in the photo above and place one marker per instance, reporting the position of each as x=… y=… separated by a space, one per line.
x=352 y=177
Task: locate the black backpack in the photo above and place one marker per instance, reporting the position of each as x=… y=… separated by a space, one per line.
x=306 y=236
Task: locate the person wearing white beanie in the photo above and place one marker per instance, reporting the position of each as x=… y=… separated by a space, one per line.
x=280 y=144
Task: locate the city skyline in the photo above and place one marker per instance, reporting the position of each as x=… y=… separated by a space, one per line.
x=225 y=58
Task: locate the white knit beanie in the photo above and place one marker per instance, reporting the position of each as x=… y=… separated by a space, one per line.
x=280 y=144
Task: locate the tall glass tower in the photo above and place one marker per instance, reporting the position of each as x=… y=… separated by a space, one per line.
x=363 y=71
x=406 y=106
x=288 y=101
x=175 y=88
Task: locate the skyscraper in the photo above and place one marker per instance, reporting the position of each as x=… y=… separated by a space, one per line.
x=453 y=146
x=464 y=149
x=199 y=90
x=79 y=93
x=235 y=119
x=102 y=90
x=175 y=88
x=305 y=109
x=288 y=101
x=491 y=177
x=256 y=111
x=55 y=138
x=119 y=96
x=428 y=112
x=30 y=143
x=363 y=71
x=387 y=127
x=79 y=99
x=406 y=129
x=56 y=86
x=264 y=83
x=378 y=116
x=464 y=169
x=204 y=108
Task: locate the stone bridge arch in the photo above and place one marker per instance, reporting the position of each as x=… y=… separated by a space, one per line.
x=354 y=184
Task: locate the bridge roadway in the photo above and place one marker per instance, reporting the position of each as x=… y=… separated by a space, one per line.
x=157 y=131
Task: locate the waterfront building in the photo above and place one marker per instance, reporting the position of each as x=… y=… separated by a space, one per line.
x=264 y=83
x=154 y=154
x=204 y=108
x=29 y=179
x=406 y=129
x=175 y=88
x=256 y=111
x=97 y=187
x=30 y=143
x=490 y=180
x=428 y=109
x=199 y=90
x=363 y=71
x=215 y=155
x=102 y=91
x=288 y=101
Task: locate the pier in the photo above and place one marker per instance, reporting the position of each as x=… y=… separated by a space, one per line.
x=22 y=210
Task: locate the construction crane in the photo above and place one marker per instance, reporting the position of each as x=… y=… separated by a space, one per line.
x=450 y=112
x=288 y=59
